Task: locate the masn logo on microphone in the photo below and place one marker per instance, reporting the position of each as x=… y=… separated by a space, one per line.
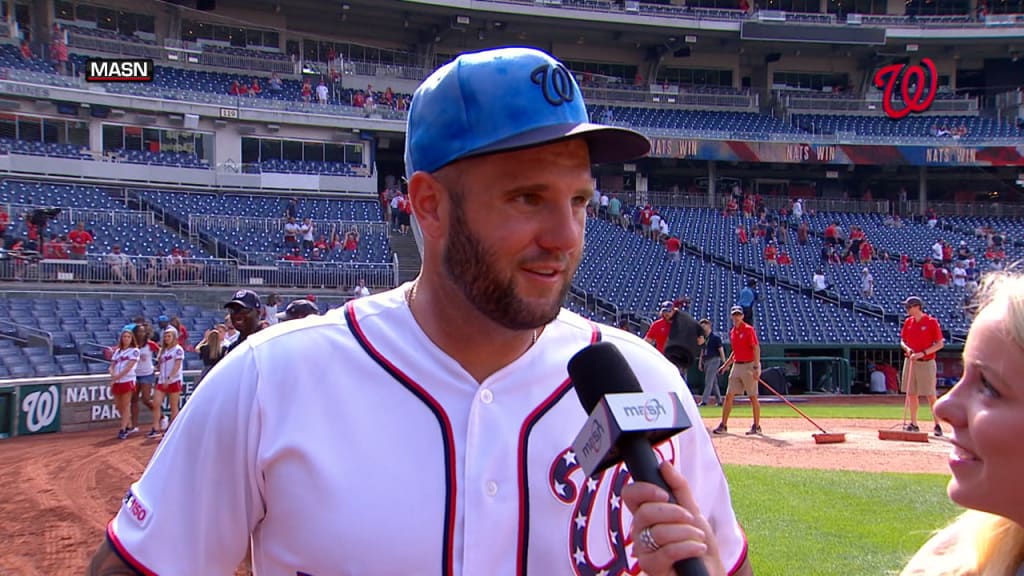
x=119 y=70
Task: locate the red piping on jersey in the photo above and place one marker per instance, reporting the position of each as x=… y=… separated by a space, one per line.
x=448 y=553
x=743 y=555
x=123 y=553
x=524 y=438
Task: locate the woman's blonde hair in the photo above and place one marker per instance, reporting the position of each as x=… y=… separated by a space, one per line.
x=212 y=341
x=999 y=541
x=1005 y=288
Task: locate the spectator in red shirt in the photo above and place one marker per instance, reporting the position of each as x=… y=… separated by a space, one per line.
x=867 y=252
x=947 y=253
x=928 y=271
x=745 y=361
x=80 y=240
x=235 y=89
x=26 y=50
x=920 y=338
x=657 y=334
x=55 y=249
x=904 y=262
x=942 y=277
x=741 y=234
x=307 y=90
x=295 y=256
x=730 y=207
x=256 y=88
x=770 y=252
x=672 y=247
x=832 y=234
x=351 y=240
x=784 y=259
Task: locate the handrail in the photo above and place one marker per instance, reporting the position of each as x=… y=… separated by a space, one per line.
x=71 y=378
x=78 y=295
x=43 y=335
x=73 y=215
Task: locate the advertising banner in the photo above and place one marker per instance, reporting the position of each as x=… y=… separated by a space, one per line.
x=39 y=409
x=838 y=154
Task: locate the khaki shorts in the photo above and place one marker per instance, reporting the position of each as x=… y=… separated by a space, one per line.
x=743 y=378
x=921 y=380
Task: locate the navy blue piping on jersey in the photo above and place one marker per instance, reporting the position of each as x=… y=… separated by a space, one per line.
x=524 y=440
x=446 y=433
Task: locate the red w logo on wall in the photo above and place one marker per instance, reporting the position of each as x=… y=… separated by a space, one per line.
x=921 y=77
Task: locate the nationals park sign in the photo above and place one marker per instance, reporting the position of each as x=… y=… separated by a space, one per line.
x=71 y=404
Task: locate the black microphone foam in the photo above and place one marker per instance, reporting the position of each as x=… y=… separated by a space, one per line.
x=601 y=369
x=598 y=370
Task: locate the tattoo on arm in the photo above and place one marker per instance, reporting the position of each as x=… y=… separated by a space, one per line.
x=107 y=562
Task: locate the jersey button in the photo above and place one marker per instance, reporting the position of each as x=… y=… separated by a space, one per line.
x=491 y=487
x=486 y=396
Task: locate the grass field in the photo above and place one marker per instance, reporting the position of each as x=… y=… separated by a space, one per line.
x=835 y=523
x=778 y=410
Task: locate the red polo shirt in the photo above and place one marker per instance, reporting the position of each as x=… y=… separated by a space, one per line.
x=673 y=244
x=659 y=333
x=743 y=339
x=921 y=334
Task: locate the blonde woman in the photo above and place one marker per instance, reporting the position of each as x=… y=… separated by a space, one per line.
x=986 y=411
x=169 y=366
x=210 y=350
x=122 y=377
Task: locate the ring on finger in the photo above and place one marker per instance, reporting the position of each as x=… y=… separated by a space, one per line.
x=647 y=539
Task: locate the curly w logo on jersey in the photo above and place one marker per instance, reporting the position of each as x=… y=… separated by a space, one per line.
x=599 y=543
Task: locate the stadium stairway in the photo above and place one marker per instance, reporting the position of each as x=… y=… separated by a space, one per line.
x=404 y=245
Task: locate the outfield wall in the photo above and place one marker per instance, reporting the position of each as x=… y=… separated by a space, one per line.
x=64 y=404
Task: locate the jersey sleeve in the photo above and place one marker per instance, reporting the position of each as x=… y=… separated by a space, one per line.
x=200 y=497
x=753 y=337
x=131 y=354
x=179 y=353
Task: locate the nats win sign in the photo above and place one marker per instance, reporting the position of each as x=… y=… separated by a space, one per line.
x=119 y=70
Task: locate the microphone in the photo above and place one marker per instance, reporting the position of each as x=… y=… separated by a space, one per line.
x=623 y=422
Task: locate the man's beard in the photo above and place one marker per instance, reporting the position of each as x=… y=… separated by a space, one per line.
x=470 y=266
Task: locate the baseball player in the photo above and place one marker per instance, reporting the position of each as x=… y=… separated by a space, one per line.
x=122 y=377
x=920 y=338
x=432 y=434
x=745 y=361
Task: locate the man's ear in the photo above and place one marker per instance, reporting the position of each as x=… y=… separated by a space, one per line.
x=427 y=196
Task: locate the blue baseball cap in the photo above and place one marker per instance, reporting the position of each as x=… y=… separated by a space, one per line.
x=500 y=100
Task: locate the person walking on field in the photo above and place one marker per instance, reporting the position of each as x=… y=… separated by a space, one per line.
x=920 y=339
x=745 y=362
x=711 y=360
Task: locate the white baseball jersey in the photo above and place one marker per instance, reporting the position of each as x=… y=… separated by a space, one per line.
x=387 y=457
x=121 y=359
x=145 y=365
x=168 y=360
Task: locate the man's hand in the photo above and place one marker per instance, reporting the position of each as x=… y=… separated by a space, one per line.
x=679 y=531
